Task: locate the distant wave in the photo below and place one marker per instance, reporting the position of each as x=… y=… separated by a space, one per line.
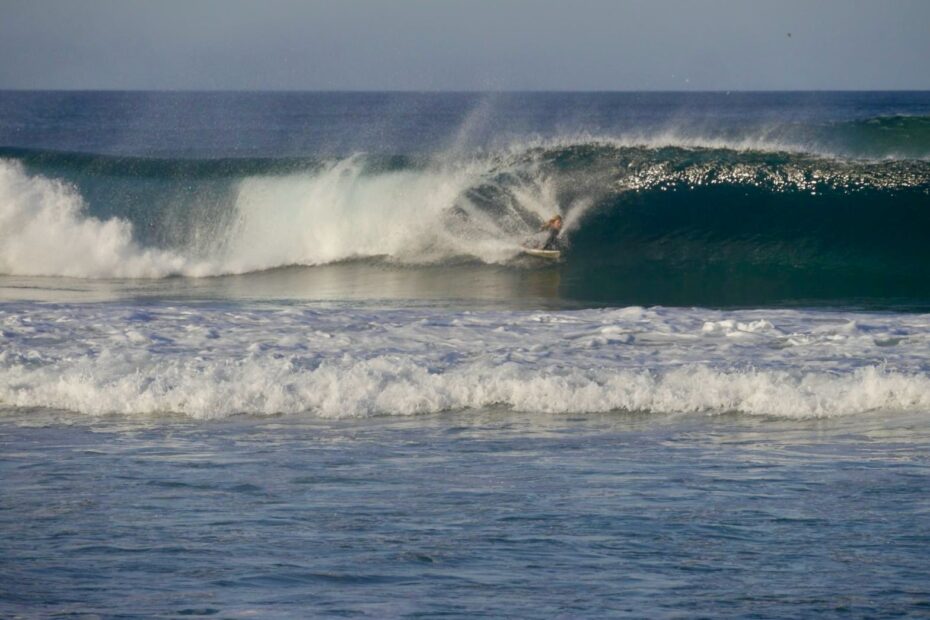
x=883 y=137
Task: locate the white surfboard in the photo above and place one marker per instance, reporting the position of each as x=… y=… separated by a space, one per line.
x=550 y=254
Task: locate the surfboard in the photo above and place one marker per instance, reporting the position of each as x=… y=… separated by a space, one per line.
x=550 y=254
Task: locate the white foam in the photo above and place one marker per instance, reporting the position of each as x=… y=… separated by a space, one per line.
x=44 y=231
x=210 y=363
x=343 y=212
x=336 y=213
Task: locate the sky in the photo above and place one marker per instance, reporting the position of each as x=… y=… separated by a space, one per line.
x=484 y=45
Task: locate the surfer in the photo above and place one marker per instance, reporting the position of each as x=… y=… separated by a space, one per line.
x=554 y=226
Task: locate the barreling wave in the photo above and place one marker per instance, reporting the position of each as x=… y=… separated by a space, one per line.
x=634 y=213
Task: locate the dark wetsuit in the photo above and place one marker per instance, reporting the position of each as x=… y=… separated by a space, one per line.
x=552 y=243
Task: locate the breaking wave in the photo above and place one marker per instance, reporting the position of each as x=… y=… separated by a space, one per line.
x=684 y=211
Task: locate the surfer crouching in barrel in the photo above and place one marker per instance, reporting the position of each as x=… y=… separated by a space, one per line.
x=554 y=226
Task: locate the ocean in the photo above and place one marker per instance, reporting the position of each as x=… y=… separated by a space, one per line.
x=280 y=355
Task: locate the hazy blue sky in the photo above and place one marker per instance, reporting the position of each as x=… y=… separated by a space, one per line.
x=465 y=44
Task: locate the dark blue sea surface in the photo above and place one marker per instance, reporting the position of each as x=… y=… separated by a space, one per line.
x=485 y=514
x=299 y=124
x=283 y=355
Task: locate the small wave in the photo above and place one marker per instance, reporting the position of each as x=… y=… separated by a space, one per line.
x=210 y=363
x=388 y=386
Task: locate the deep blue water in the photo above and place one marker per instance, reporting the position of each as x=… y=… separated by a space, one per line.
x=280 y=355
x=300 y=124
x=491 y=514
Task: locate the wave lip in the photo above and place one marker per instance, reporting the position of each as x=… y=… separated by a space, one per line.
x=212 y=363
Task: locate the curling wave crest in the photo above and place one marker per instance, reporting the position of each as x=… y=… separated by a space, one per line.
x=636 y=206
x=213 y=362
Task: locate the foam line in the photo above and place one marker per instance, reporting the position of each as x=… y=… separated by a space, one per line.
x=212 y=363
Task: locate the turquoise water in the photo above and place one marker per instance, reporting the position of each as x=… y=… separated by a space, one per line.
x=279 y=355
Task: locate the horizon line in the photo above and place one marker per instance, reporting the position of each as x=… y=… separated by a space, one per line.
x=457 y=91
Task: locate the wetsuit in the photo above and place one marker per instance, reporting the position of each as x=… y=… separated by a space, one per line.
x=552 y=243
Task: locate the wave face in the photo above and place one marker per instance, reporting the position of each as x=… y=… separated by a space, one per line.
x=213 y=362
x=641 y=220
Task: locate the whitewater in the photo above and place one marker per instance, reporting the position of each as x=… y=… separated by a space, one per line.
x=214 y=363
x=308 y=219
